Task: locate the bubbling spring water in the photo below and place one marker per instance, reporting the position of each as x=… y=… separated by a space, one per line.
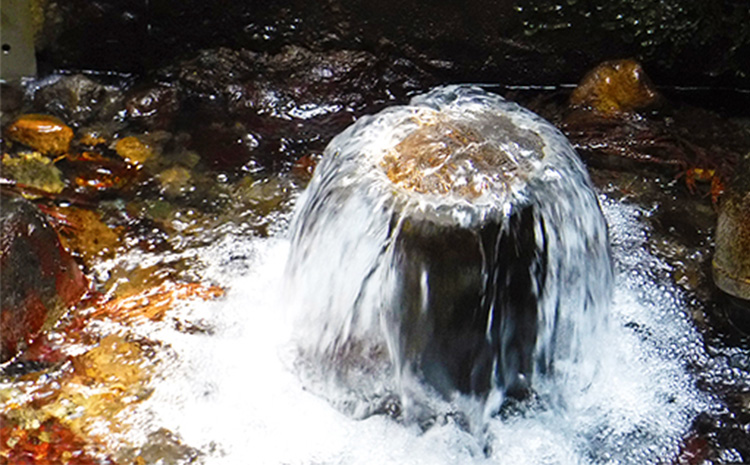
x=455 y=243
x=620 y=393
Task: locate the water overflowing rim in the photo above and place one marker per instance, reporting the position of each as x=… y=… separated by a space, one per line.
x=377 y=135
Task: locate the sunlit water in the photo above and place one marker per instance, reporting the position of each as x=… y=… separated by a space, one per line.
x=237 y=393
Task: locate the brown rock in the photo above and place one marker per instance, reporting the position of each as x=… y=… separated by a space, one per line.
x=731 y=263
x=615 y=88
x=86 y=235
x=38 y=278
x=43 y=133
x=133 y=150
x=154 y=107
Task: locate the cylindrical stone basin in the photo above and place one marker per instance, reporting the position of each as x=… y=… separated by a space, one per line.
x=457 y=241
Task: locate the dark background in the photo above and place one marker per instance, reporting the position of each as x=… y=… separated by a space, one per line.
x=533 y=42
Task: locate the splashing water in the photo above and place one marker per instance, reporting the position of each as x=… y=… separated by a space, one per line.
x=235 y=396
x=621 y=392
x=455 y=240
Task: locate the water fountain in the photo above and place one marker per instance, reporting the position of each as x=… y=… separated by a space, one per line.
x=455 y=241
x=449 y=268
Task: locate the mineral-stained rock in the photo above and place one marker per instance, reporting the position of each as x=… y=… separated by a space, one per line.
x=47 y=444
x=34 y=170
x=86 y=235
x=43 y=133
x=133 y=150
x=616 y=87
x=93 y=173
x=38 y=278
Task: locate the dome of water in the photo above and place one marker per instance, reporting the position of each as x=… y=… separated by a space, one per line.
x=453 y=244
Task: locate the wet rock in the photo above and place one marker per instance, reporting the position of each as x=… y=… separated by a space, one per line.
x=731 y=263
x=48 y=443
x=91 y=139
x=32 y=169
x=284 y=105
x=152 y=107
x=226 y=145
x=76 y=99
x=43 y=133
x=92 y=174
x=616 y=88
x=535 y=41
x=617 y=119
x=133 y=150
x=162 y=446
x=92 y=136
x=39 y=278
x=86 y=235
x=175 y=181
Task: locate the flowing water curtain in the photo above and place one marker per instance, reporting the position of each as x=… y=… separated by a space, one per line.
x=456 y=243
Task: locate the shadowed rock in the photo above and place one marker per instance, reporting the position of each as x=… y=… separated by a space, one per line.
x=38 y=279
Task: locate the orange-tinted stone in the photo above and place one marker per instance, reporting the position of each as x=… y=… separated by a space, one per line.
x=133 y=150
x=38 y=278
x=49 y=444
x=43 y=133
x=616 y=87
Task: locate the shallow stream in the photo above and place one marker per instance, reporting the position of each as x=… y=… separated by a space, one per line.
x=216 y=379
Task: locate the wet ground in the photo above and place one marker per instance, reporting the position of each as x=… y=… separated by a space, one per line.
x=156 y=170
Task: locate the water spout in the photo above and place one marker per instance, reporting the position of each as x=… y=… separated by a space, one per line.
x=453 y=244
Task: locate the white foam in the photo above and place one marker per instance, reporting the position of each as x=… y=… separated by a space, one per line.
x=233 y=394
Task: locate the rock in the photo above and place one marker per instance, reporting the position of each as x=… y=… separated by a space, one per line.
x=617 y=119
x=133 y=150
x=287 y=103
x=152 y=107
x=77 y=99
x=49 y=442
x=175 y=181
x=616 y=88
x=86 y=235
x=92 y=136
x=44 y=133
x=529 y=42
x=92 y=173
x=39 y=278
x=11 y=98
x=32 y=169
x=731 y=263
x=225 y=145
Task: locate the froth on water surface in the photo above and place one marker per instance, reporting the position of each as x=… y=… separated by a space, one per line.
x=252 y=408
